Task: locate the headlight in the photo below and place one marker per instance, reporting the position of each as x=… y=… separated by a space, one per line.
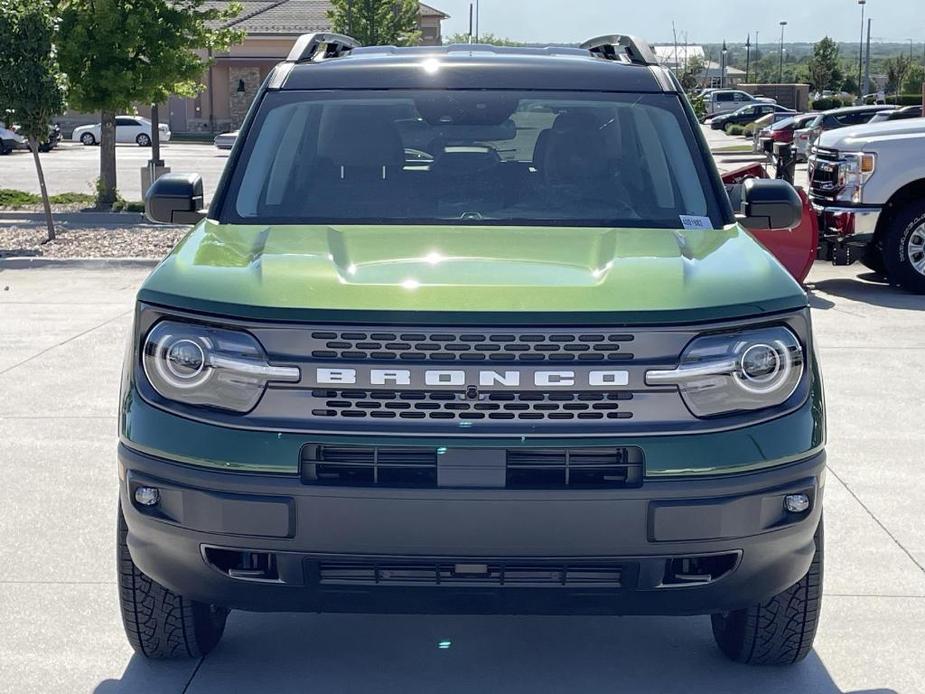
x=201 y=365
x=857 y=169
x=750 y=370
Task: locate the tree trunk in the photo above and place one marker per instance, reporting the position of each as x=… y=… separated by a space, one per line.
x=106 y=194
x=34 y=144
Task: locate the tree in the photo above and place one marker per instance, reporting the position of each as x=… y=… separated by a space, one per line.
x=32 y=88
x=120 y=52
x=377 y=22
x=692 y=73
x=914 y=79
x=896 y=69
x=489 y=39
x=825 y=66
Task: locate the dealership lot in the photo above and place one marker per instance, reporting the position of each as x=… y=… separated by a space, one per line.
x=73 y=168
x=62 y=336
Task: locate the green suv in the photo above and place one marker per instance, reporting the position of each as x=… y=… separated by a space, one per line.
x=473 y=330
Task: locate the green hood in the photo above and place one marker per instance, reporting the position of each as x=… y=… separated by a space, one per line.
x=648 y=275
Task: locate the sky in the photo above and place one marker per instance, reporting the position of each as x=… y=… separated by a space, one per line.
x=704 y=21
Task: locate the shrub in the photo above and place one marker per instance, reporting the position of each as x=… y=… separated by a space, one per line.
x=735 y=130
x=829 y=102
x=899 y=99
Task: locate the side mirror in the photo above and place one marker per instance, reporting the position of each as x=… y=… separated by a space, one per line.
x=769 y=204
x=175 y=199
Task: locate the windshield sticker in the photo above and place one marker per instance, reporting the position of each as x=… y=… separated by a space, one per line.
x=693 y=222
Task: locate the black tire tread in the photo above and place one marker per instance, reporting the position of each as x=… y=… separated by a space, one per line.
x=901 y=224
x=781 y=630
x=159 y=623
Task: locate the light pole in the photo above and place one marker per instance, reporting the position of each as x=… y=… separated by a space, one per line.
x=748 y=57
x=780 y=73
x=863 y=4
x=722 y=66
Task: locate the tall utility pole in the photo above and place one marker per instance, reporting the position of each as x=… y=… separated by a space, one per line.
x=867 y=61
x=722 y=66
x=863 y=4
x=477 y=21
x=780 y=74
x=748 y=57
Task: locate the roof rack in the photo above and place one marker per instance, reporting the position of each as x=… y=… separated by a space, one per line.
x=312 y=48
x=621 y=47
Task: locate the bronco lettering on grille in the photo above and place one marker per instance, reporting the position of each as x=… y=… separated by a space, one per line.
x=483 y=378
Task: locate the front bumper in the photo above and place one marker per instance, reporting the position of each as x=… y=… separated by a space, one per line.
x=640 y=537
x=852 y=225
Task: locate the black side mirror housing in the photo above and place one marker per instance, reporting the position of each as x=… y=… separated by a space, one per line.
x=175 y=199
x=768 y=203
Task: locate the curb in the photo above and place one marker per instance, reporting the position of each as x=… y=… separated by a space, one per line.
x=85 y=218
x=25 y=263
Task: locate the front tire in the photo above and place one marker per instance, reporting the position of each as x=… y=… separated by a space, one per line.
x=904 y=248
x=781 y=630
x=159 y=623
x=87 y=139
x=143 y=140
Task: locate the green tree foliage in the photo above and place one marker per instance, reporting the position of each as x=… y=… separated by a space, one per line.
x=692 y=73
x=914 y=79
x=377 y=22
x=825 y=66
x=32 y=88
x=896 y=69
x=120 y=52
x=489 y=39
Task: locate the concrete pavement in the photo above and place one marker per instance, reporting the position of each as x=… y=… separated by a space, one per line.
x=62 y=336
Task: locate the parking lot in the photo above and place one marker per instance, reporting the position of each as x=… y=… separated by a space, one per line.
x=62 y=335
x=73 y=168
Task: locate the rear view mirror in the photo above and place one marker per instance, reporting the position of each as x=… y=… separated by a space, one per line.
x=769 y=204
x=175 y=199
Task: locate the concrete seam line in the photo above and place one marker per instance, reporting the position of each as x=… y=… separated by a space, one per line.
x=876 y=520
x=70 y=339
x=28 y=262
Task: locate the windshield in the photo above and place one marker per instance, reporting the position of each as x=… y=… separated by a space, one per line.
x=471 y=157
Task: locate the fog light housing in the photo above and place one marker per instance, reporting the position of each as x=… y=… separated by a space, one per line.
x=796 y=503
x=147 y=496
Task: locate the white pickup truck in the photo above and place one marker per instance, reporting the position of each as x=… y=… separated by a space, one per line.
x=867 y=184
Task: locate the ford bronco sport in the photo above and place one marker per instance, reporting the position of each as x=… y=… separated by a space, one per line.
x=472 y=329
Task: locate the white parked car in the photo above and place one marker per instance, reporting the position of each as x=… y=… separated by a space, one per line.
x=723 y=101
x=226 y=140
x=128 y=129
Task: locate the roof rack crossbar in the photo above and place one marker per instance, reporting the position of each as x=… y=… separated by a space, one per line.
x=621 y=47
x=312 y=48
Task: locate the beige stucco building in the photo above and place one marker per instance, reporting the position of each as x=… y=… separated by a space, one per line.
x=271 y=28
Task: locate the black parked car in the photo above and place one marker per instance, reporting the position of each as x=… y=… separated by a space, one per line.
x=747 y=114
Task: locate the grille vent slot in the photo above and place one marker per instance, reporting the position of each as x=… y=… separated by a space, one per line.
x=526 y=468
x=435 y=346
x=453 y=406
x=472 y=573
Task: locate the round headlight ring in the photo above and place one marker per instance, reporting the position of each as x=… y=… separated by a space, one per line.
x=182 y=362
x=763 y=367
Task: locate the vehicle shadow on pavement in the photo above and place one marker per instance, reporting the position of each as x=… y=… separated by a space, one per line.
x=876 y=293
x=381 y=654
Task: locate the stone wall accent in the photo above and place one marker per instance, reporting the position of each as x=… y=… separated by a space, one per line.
x=240 y=101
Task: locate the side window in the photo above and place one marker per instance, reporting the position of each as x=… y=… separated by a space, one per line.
x=725 y=96
x=125 y=121
x=742 y=96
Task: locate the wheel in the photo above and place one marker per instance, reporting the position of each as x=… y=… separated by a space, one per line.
x=904 y=248
x=158 y=622
x=143 y=140
x=781 y=630
x=87 y=139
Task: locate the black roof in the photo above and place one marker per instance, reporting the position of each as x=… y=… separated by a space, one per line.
x=476 y=67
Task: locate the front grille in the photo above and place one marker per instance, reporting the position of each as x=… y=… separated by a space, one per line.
x=420 y=467
x=471 y=573
x=478 y=346
x=824 y=172
x=454 y=405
